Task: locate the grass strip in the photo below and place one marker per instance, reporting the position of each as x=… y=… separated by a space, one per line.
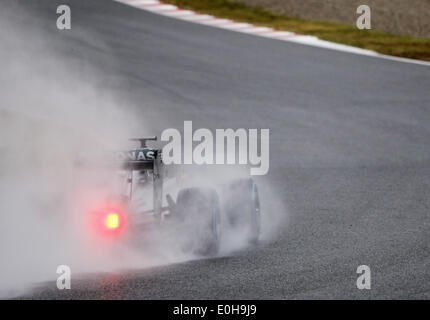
x=379 y=41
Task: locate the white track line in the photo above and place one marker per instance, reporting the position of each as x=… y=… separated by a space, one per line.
x=179 y=13
x=236 y=26
x=216 y=22
x=191 y=16
x=159 y=7
x=197 y=17
x=137 y=3
x=256 y=30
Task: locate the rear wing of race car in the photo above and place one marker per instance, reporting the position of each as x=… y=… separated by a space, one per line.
x=138 y=159
x=143 y=158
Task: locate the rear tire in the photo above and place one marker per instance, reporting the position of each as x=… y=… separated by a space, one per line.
x=241 y=205
x=199 y=211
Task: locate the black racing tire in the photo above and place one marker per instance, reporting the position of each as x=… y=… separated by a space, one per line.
x=241 y=207
x=200 y=211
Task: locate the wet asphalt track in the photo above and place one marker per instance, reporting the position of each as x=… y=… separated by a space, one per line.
x=350 y=151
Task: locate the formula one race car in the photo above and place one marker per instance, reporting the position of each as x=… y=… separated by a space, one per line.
x=154 y=196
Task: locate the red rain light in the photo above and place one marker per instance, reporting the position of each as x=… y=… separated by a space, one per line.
x=108 y=222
